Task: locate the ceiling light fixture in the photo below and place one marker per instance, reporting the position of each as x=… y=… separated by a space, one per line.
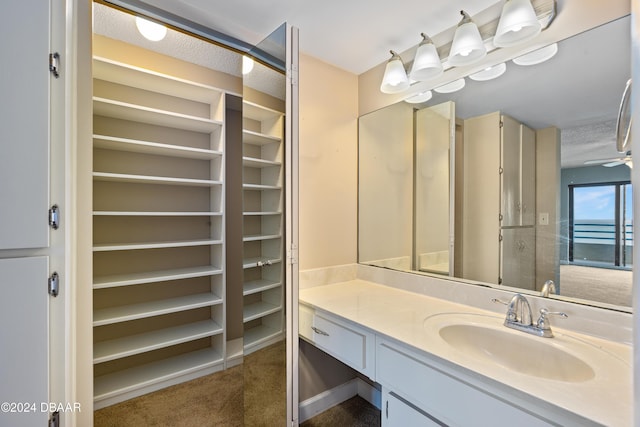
x=467 y=46
x=151 y=30
x=518 y=24
x=395 y=76
x=520 y=20
x=247 y=64
x=426 y=64
x=489 y=73
x=537 y=56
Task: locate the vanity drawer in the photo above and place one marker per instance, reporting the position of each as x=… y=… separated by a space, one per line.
x=442 y=396
x=345 y=341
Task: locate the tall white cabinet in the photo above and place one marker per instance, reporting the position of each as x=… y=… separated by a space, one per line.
x=263 y=237
x=158 y=230
x=499 y=201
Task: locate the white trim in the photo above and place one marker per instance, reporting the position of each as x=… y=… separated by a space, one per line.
x=328 y=399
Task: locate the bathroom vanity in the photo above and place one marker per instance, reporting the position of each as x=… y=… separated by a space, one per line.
x=442 y=363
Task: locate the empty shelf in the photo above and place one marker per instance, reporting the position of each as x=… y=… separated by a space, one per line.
x=104 y=247
x=118 y=348
x=125 y=313
x=255 y=286
x=154 y=276
x=258 y=310
x=148 y=147
x=146 y=179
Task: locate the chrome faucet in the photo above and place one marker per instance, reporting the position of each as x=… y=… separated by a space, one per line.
x=519 y=317
x=548 y=288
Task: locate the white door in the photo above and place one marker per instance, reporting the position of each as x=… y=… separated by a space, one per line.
x=24 y=341
x=24 y=126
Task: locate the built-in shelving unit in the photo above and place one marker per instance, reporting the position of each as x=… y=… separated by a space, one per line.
x=158 y=230
x=263 y=287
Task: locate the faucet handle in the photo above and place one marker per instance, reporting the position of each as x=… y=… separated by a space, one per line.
x=543 y=322
x=499 y=301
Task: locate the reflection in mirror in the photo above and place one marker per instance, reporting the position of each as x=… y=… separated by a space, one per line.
x=263 y=285
x=538 y=191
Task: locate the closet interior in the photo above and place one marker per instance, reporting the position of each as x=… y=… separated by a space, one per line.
x=170 y=302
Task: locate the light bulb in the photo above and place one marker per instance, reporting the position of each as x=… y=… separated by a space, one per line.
x=151 y=30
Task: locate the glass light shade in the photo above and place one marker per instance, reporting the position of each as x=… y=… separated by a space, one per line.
x=518 y=23
x=468 y=46
x=151 y=30
x=247 y=64
x=395 y=76
x=454 y=86
x=489 y=73
x=537 y=56
x=419 y=98
x=426 y=64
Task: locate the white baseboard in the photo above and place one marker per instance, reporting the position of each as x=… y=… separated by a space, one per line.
x=330 y=398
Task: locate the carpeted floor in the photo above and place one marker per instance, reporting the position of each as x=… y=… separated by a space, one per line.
x=605 y=285
x=251 y=394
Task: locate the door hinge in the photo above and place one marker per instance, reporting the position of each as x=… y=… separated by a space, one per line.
x=54 y=64
x=292 y=255
x=54 y=217
x=54 y=284
x=54 y=419
x=501 y=124
x=292 y=73
x=499 y=237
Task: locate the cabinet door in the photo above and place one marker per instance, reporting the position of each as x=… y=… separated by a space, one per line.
x=510 y=177
x=528 y=175
x=24 y=366
x=24 y=133
x=397 y=413
x=518 y=250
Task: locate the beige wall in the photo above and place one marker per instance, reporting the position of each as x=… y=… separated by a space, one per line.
x=328 y=165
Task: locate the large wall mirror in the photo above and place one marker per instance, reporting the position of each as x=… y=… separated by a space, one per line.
x=510 y=182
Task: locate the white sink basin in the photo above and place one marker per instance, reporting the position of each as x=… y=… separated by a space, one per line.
x=484 y=339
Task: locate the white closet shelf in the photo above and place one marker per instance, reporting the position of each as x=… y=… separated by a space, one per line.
x=154 y=116
x=255 y=286
x=263 y=213
x=253 y=262
x=257 y=138
x=154 y=276
x=148 y=147
x=146 y=179
x=258 y=237
x=259 y=112
x=259 y=163
x=107 y=316
x=153 y=245
x=114 y=384
x=259 y=334
x=144 y=213
x=142 y=78
x=257 y=310
x=118 y=348
x=260 y=187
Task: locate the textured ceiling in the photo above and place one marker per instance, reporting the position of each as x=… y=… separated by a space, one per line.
x=112 y=23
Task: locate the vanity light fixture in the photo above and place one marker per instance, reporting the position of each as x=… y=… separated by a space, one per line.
x=467 y=46
x=518 y=23
x=395 y=76
x=454 y=86
x=426 y=64
x=419 y=98
x=247 y=64
x=151 y=30
x=537 y=56
x=489 y=73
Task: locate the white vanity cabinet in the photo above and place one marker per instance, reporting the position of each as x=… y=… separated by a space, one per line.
x=447 y=398
x=346 y=341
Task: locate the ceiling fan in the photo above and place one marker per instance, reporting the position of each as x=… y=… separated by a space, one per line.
x=613 y=162
x=623 y=133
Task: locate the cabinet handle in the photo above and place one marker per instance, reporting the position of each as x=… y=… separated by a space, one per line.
x=386 y=411
x=319 y=331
